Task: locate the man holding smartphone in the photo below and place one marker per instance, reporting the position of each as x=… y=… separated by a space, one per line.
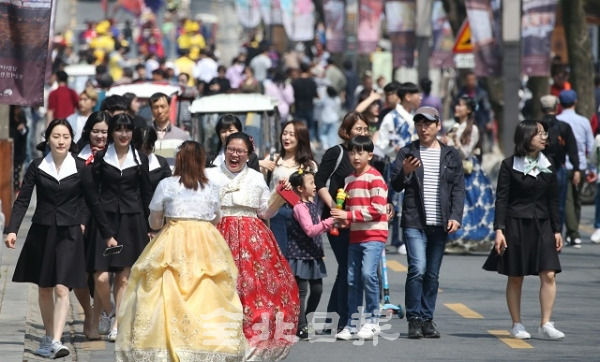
x=431 y=173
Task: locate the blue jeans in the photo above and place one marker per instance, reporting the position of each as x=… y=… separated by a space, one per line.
x=306 y=115
x=279 y=227
x=338 y=300
x=425 y=250
x=328 y=134
x=363 y=264
x=561 y=183
x=597 y=204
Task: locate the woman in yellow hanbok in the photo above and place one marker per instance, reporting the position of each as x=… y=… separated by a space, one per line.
x=181 y=303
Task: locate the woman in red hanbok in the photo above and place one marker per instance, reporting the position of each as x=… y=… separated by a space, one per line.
x=265 y=283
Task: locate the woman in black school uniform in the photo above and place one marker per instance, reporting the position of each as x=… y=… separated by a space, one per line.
x=53 y=255
x=143 y=141
x=121 y=176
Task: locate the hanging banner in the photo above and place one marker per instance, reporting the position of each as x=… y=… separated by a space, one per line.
x=335 y=20
x=265 y=11
x=24 y=50
x=537 y=25
x=248 y=13
x=442 y=39
x=298 y=19
x=484 y=21
x=400 y=16
x=369 y=25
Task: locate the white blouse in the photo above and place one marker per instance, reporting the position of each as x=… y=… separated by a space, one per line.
x=466 y=151
x=175 y=201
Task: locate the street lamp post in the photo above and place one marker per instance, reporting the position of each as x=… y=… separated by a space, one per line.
x=511 y=39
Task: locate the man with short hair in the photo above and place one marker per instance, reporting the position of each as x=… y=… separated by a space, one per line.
x=161 y=111
x=431 y=175
x=585 y=143
x=63 y=101
x=560 y=143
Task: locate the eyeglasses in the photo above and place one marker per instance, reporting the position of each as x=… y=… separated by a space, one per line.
x=360 y=129
x=236 y=151
x=543 y=134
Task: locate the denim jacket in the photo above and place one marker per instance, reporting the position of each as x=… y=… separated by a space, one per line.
x=452 y=186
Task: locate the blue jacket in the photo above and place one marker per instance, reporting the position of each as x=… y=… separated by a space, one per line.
x=452 y=186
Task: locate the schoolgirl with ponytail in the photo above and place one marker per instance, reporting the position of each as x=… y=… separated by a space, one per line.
x=122 y=178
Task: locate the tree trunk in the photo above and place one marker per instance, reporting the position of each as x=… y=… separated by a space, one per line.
x=580 y=57
x=539 y=87
x=457 y=13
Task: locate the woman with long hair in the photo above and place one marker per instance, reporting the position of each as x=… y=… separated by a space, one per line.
x=476 y=232
x=53 y=253
x=335 y=167
x=181 y=303
x=266 y=284
x=294 y=152
x=122 y=178
x=94 y=136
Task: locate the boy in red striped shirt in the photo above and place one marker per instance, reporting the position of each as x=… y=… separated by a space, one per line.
x=366 y=207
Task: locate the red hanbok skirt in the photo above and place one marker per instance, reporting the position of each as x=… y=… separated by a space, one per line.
x=266 y=286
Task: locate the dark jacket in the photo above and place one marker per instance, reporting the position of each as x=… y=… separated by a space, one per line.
x=451 y=188
x=561 y=142
x=58 y=203
x=526 y=197
x=160 y=173
x=337 y=177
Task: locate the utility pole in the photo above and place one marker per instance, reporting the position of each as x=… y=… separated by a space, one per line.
x=511 y=70
x=351 y=29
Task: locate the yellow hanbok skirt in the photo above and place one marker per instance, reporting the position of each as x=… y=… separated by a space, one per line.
x=181 y=302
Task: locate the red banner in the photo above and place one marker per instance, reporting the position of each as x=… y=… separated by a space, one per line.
x=369 y=25
x=484 y=21
x=25 y=27
x=400 y=17
x=335 y=20
x=537 y=25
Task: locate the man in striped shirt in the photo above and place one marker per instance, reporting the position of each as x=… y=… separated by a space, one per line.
x=366 y=210
x=432 y=175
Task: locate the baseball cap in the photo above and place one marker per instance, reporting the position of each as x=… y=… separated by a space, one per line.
x=549 y=101
x=428 y=113
x=567 y=96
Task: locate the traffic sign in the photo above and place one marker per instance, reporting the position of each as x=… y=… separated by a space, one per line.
x=463 y=39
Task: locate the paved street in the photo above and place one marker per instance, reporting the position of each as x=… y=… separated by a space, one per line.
x=471 y=315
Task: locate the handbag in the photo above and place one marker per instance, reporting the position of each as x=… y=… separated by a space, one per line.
x=467 y=166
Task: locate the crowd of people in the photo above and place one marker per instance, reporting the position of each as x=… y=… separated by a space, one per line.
x=226 y=246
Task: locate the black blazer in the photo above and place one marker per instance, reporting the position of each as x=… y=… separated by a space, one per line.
x=128 y=192
x=526 y=197
x=452 y=186
x=59 y=203
x=160 y=173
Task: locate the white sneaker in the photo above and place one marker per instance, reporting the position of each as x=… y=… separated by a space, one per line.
x=596 y=237
x=547 y=331
x=518 y=332
x=368 y=331
x=59 y=350
x=105 y=323
x=112 y=336
x=45 y=348
x=576 y=243
x=402 y=249
x=346 y=334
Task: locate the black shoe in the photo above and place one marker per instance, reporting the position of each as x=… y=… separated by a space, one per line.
x=428 y=328
x=303 y=333
x=414 y=329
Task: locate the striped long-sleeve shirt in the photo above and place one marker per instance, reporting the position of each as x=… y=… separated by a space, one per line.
x=366 y=205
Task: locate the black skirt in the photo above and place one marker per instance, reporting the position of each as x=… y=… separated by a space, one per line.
x=52 y=255
x=531 y=248
x=131 y=232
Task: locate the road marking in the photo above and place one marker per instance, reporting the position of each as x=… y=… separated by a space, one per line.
x=396 y=266
x=463 y=310
x=504 y=336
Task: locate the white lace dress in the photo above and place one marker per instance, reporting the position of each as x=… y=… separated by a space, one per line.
x=181 y=302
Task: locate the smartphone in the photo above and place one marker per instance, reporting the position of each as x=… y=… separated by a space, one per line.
x=502 y=250
x=113 y=250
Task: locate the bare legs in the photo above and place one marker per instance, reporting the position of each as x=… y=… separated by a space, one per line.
x=102 y=292
x=121 y=280
x=54 y=309
x=90 y=329
x=547 y=296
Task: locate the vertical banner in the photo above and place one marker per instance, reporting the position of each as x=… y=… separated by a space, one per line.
x=484 y=20
x=442 y=39
x=369 y=25
x=248 y=13
x=266 y=11
x=537 y=24
x=298 y=19
x=400 y=16
x=335 y=20
x=24 y=50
